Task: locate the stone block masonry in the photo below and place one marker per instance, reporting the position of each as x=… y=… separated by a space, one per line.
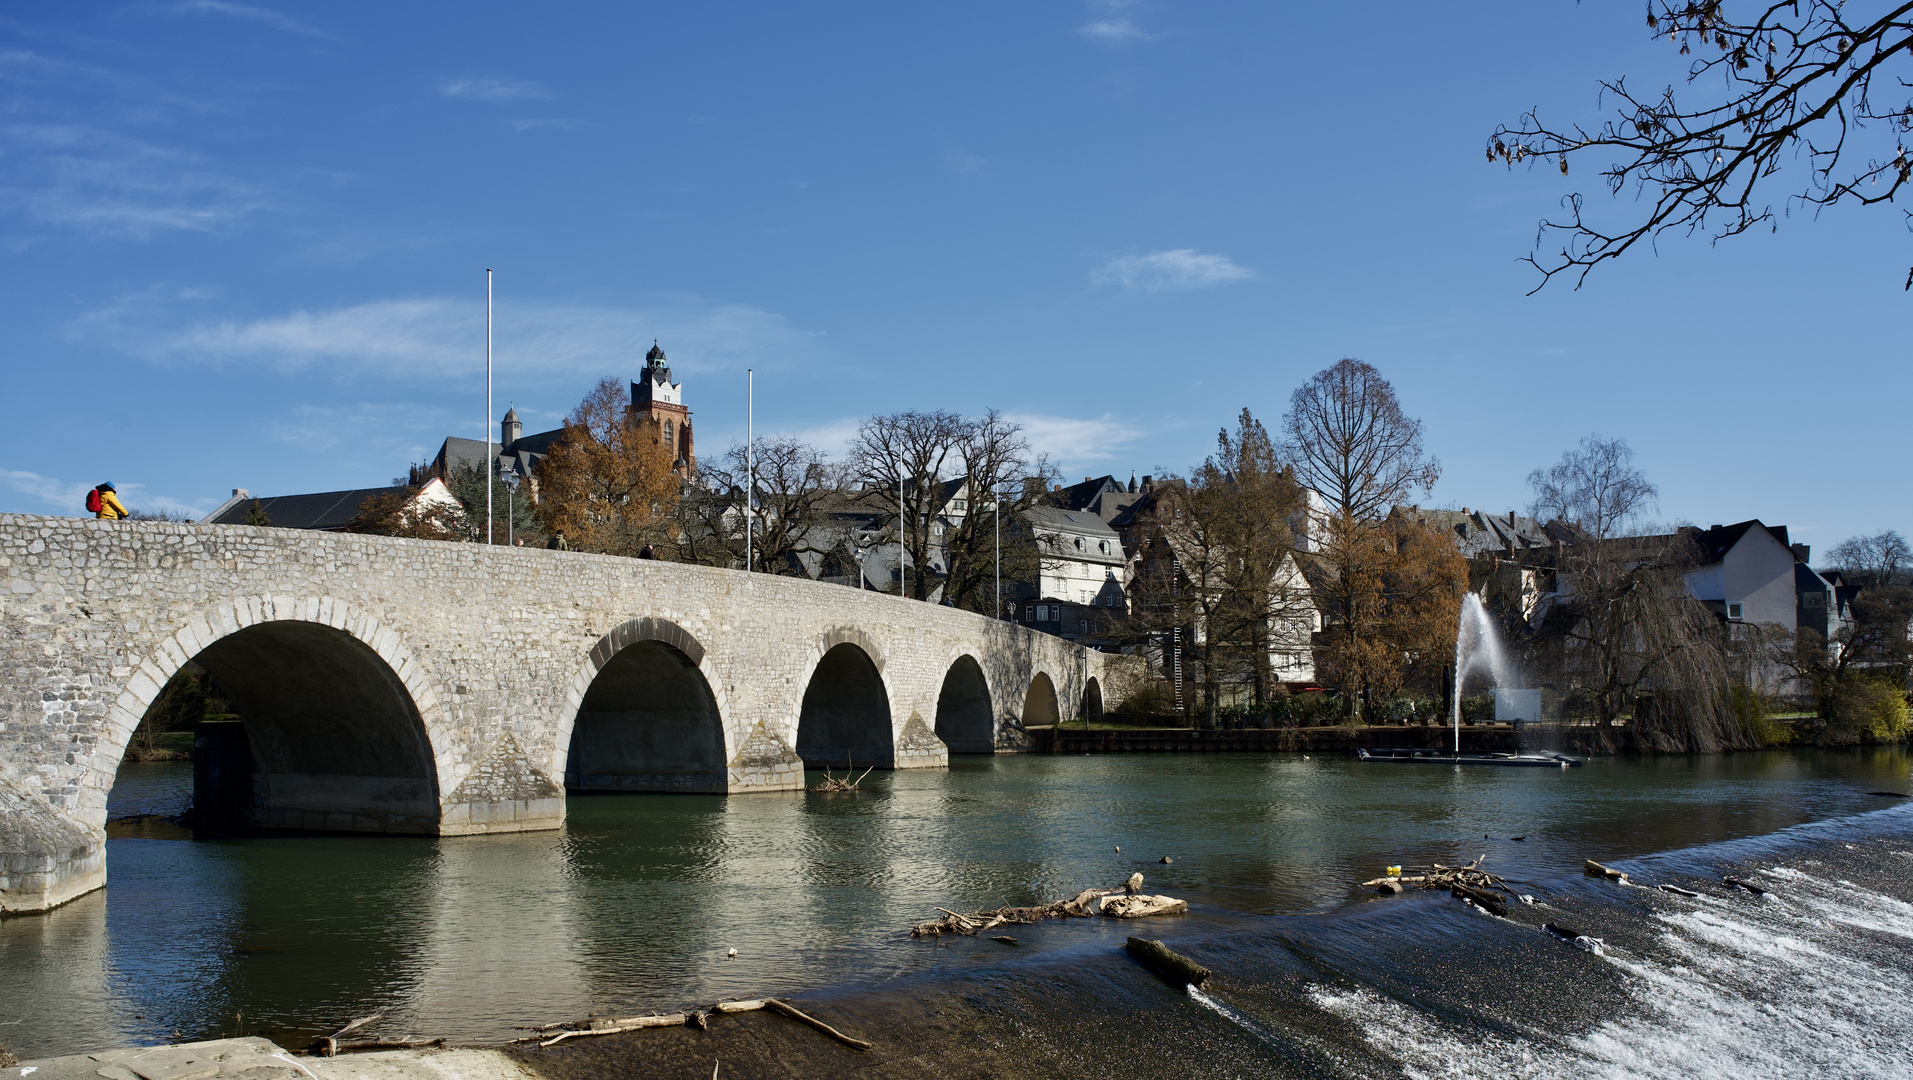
x=418 y=686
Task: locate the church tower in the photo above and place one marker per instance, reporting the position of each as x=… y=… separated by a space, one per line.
x=655 y=397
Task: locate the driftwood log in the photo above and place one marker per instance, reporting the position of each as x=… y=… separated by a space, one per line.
x=329 y=1045
x=1492 y=903
x=1126 y=902
x=1595 y=869
x=698 y=1018
x=1469 y=881
x=1169 y=966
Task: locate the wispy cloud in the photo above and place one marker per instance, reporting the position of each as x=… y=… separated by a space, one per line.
x=101 y=182
x=1112 y=30
x=437 y=337
x=1168 y=271
x=263 y=16
x=1115 y=25
x=60 y=494
x=968 y=163
x=1075 y=441
x=554 y=124
x=494 y=90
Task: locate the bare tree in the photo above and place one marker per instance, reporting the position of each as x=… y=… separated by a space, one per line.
x=1871 y=560
x=904 y=458
x=793 y=481
x=1003 y=475
x=1596 y=488
x=1796 y=83
x=1348 y=438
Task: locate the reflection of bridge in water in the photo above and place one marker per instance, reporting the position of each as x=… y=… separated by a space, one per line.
x=424 y=687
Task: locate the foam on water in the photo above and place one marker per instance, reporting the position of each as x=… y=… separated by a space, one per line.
x=1781 y=985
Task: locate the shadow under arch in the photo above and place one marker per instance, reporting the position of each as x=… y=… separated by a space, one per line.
x=1039 y=703
x=648 y=721
x=1092 y=709
x=966 y=719
x=845 y=718
x=328 y=736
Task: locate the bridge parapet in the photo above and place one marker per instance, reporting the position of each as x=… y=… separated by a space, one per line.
x=421 y=686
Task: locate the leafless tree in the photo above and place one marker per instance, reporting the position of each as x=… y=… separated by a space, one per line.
x=905 y=458
x=1596 y=488
x=1004 y=476
x=794 y=479
x=1871 y=560
x=1796 y=82
x=1348 y=438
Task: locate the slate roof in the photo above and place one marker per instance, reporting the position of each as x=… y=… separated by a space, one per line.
x=1477 y=533
x=1060 y=523
x=326 y=510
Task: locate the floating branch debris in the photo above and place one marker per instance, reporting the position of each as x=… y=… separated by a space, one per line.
x=698 y=1018
x=1127 y=902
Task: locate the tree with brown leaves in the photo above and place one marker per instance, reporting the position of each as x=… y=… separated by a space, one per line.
x=607 y=484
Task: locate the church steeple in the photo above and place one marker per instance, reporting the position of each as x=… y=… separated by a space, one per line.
x=655 y=397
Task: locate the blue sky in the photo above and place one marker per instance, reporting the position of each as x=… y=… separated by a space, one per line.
x=244 y=243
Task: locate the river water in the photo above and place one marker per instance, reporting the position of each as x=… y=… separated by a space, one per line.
x=634 y=905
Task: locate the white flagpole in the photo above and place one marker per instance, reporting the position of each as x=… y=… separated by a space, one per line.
x=750 y=464
x=491 y=459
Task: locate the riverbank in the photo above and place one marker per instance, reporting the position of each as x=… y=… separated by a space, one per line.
x=1321 y=740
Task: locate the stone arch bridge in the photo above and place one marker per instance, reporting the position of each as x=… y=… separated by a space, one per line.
x=417 y=686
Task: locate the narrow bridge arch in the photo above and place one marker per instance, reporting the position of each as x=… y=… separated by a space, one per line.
x=1039 y=702
x=330 y=736
x=1092 y=709
x=845 y=718
x=966 y=719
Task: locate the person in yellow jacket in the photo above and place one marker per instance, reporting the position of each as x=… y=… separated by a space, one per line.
x=110 y=507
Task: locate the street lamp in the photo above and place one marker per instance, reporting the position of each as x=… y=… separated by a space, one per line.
x=511 y=479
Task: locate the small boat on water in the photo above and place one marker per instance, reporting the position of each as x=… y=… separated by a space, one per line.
x=1424 y=756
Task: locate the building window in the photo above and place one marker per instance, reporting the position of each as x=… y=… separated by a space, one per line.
x=1104 y=545
x=1733 y=611
x=667 y=431
x=958 y=504
x=1079 y=543
x=1085 y=626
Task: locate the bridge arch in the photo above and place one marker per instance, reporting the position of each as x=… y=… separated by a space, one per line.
x=342 y=725
x=1092 y=708
x=646 y=713
x=966 y=714
x=1040 y=705
x=845 y=713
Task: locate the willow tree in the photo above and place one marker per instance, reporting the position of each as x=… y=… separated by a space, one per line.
x=607 y=484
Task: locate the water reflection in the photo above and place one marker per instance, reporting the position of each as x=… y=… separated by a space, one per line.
x=634 y=905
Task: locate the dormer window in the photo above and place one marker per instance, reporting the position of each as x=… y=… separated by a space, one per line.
x=1079 y=543
x=1104 y=545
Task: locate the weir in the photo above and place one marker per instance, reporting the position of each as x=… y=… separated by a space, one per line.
x=410 y=686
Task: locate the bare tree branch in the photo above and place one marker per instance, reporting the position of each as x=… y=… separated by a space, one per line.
x=1797 y=86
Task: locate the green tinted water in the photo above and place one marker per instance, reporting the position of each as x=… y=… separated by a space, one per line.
x=634 y=904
